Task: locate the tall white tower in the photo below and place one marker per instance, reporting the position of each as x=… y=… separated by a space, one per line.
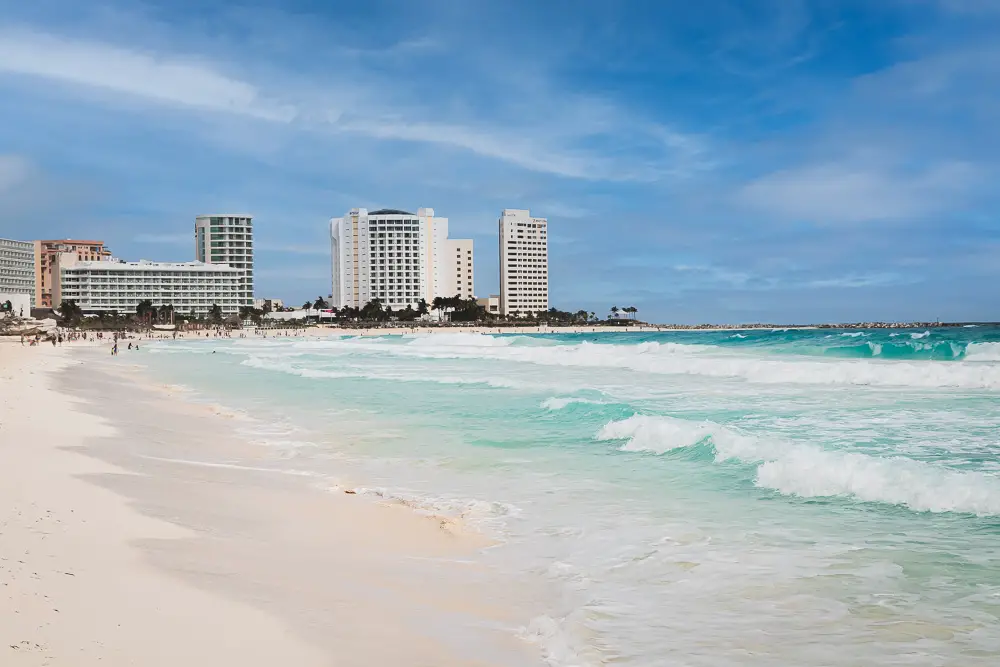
x=227 y=238
x=524 y=263
x=394 y=256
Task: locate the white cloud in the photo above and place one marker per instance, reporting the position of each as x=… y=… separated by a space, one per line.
x=179 y=82
x=560 y=133
x=847 y=193
x=858 y=280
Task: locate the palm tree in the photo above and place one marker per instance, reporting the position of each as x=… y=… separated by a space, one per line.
x=614 y=311
x=633 y=310
x=422 y=308
x=71 y=313
x=165 y=313
x=144 y=309
x=307 y=305
x=215 y=313
x=321 y=304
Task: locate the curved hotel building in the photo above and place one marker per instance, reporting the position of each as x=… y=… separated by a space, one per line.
x=398 y=258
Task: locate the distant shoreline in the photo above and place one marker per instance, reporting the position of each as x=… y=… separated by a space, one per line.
x=642 y=327
x=335 y=330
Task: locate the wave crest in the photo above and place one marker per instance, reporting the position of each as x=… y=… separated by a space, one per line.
x=809 y=471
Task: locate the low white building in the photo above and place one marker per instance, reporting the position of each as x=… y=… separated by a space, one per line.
x=20 y=304
x=118 y=286
x=490 y=303
x=268 y=304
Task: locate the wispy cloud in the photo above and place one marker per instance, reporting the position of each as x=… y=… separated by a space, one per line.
x=854 y=281
x=174 y=81
x=566 y=141
x=847 y=193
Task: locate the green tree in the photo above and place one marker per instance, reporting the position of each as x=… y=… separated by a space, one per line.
x=422 y=308
x=321 y=304
x=614 y=311
x=215 y=313
x=372 y=311
x=71 y=313
x=307 y=305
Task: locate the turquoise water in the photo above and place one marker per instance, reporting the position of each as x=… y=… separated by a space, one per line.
x=804 y=497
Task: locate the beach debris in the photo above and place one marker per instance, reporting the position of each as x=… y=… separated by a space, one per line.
x=350 y=492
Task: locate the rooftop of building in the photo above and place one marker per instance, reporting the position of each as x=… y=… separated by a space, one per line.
x=224 y=215
x=71 y=242
x=121 y=265
x=390 y=211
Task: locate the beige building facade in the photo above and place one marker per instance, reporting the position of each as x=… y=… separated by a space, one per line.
x=45 y=253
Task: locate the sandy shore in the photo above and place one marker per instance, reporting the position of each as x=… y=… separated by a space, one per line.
x=136 y=529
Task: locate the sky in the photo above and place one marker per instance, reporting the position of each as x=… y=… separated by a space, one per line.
x=720 y=161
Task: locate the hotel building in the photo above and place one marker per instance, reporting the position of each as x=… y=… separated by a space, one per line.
x=45 y=252
x=118 y=286
x=458 y=269
x=227 y=238
x=524 y=263
x=396 y=257
x=17 y=268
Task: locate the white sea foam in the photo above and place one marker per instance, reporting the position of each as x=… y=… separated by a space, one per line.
x=560 y=402
x=555 y=642
x=916 y=336
x=678 y=359
x=461 y=340
x=983 y=352
x=321 y=373
x=809 y=471
x=474 y=512
x=854 y=334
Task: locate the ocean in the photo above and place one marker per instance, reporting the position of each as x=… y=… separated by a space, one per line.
x=752 y=498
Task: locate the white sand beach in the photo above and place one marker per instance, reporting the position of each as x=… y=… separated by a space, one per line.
x=135 y=529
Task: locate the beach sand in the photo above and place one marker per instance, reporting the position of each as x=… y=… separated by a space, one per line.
x=137 y=529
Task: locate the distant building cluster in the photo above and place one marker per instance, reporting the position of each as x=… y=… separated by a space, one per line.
x=400 y=259
x=85 y=272
x=395 y=257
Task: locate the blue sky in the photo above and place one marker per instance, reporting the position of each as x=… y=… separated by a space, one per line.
x=722 y=161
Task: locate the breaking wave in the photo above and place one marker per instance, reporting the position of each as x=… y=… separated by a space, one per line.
x=808 y=471
x=983 y=352
x=321 y=373
x=712 y=361
x=560 y=402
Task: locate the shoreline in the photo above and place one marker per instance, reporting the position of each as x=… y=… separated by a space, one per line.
x=239 y=562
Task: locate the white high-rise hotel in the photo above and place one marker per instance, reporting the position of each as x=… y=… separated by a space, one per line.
x=524 y=263
x=398 y=258
x=227 y=238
